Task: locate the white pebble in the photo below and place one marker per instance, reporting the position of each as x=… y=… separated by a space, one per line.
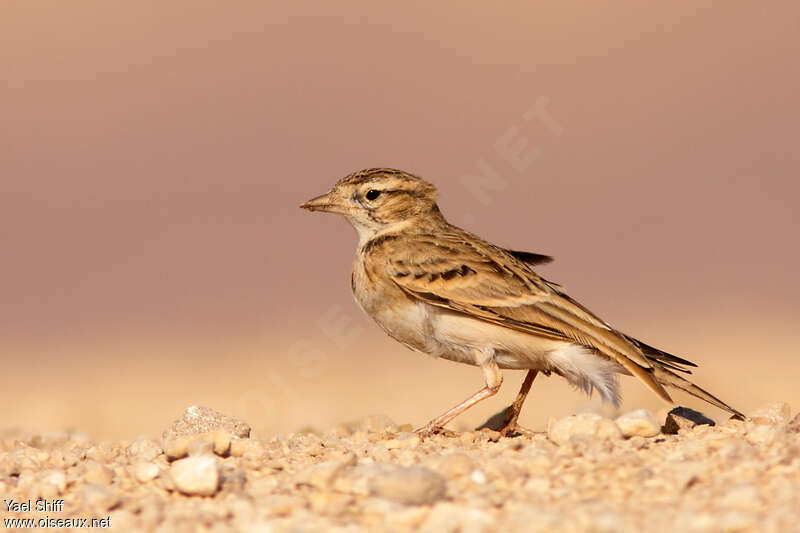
x=198 y=475
x=144 y=472
x=638 y=423
x=478 y=476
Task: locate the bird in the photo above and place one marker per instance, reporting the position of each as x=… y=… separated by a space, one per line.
x=446 y=292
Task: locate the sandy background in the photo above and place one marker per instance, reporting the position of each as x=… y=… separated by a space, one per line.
x=152 y=157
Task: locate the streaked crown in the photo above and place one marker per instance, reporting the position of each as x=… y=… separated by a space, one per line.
x=387 y=195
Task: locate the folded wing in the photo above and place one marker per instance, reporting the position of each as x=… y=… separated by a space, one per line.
x=462 y=273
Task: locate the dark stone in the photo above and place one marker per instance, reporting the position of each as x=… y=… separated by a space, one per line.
x=684 y=418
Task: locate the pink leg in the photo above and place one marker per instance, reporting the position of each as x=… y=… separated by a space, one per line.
x=493 y=382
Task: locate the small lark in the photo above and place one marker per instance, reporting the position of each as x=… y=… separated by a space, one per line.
x=446 y=292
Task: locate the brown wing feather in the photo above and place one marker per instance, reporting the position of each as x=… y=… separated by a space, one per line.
x=465 y=274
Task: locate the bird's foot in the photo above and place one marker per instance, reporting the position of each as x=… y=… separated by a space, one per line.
x=431 y=429
x=515 y=430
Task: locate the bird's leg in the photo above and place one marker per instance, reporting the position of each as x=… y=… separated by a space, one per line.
x=494 y=379
x=515 y=408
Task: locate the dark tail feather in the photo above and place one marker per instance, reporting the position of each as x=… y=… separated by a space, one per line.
x=672 y=361
x=670 y=379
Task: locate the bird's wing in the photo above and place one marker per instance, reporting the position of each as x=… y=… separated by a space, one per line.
x=530 y=258
x=458 y=271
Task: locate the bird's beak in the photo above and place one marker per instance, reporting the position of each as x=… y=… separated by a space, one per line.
x=322 y=203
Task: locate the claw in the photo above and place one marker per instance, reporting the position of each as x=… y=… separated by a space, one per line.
x=514 y=430
x=430 y=429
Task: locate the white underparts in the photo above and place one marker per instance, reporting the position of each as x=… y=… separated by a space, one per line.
x=587 y=371
x=448 y=334
x=457 y=337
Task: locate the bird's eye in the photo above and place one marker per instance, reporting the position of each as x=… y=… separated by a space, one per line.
x=372 y=194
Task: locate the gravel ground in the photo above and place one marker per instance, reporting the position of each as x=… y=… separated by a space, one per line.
x=587 y=473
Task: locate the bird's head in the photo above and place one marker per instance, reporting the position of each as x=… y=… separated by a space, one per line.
x=376 y=200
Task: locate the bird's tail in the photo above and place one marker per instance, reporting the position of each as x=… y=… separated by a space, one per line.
x=664 y=365
x=671 y=379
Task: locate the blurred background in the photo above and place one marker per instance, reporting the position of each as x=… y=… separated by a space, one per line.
x=153 y=155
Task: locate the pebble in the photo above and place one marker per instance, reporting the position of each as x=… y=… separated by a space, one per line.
x=479 y=477
x=45 y=484
x=583 y=425
x=196 y=475
x=407 y=518
x=637 y=442
x=451 y=465
x=144 y=449
x=178 y=447
x=218 y=442
x=448 y=517
x=64 y=459
x=772 y=414
x=54 y=478
x=240 y=447
x=144 y=472
x=20 y=460
x=403 y=441
x=197 y=420
x=322 y=475
x=95 y=472
x=684 y=418
x=764 y=435
x=638 y=423
x=200 y=447
x=415 y=485
x=222 y=441
x=98 y=498
x=203 y=424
